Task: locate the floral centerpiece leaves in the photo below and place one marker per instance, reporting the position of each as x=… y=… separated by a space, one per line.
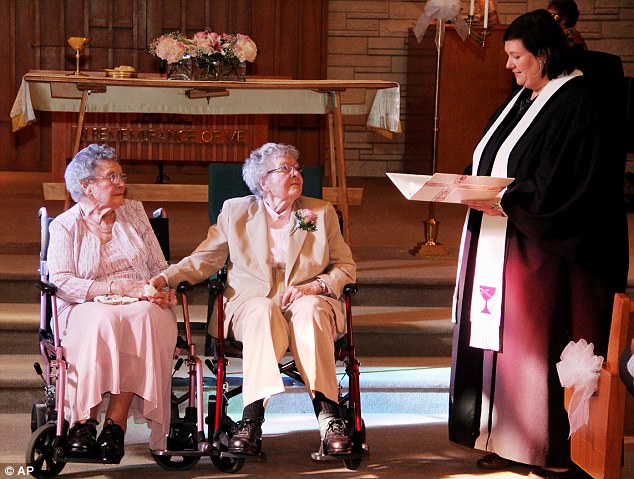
x=215 y=56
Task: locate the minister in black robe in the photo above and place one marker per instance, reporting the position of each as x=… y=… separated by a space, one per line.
x=565 y=255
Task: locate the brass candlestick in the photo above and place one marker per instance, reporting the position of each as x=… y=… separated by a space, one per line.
x=431 y=246
x=479 y=38
x=78 y=44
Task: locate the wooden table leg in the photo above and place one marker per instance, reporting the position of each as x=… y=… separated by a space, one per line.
x=80 y=127
x=342 y=197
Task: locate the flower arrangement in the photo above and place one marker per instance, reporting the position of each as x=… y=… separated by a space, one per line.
x=217 y=56
x=306 y=219
x=171 y=47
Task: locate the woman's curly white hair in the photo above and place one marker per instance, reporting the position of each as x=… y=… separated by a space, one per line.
x=83 y=167
x=255 y=166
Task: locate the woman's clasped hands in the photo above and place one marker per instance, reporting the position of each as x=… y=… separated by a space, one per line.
x=162 y=298
x=297 y=291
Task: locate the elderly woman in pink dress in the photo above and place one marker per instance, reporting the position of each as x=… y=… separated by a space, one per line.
x=119 y=342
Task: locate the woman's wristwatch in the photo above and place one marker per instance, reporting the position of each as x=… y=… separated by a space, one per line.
x=322 y=284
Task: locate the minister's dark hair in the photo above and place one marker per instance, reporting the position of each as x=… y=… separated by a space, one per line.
x=542 y=36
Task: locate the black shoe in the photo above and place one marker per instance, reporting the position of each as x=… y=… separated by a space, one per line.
x=570 y=473
x=493 y=462
x=336 y=439
x=110 y=442
x=247 y=437
x=82 y=439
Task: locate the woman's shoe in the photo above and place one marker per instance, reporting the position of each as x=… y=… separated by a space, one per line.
x=82 y=439
x=247 y=437
x=493 y=462
x=336 y=439
x=110 y=442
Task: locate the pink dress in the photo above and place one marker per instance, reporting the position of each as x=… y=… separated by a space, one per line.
x=113 y=348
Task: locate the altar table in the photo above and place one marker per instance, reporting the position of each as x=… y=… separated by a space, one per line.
x=57 y=91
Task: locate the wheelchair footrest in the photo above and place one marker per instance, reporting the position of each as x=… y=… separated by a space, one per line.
x=249 y=457
x=186 y=452
x=82 y=459
x=320 y=456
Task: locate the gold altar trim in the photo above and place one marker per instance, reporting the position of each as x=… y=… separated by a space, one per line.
x=160 y=135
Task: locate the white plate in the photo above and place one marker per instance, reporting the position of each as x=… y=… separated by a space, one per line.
x=115 y=299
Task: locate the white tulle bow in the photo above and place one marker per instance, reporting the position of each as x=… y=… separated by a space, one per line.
x=579 y=368
x=442 y=10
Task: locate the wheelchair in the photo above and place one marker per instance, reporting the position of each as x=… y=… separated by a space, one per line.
x=46 y=452
x=187 y=431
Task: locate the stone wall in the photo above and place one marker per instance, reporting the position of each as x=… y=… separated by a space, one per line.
x=367 y=39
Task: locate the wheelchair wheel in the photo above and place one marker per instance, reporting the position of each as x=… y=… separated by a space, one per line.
x=181 y=438
x=358 y=440
x=227 y=464
x=176 y=463
x=40 y=452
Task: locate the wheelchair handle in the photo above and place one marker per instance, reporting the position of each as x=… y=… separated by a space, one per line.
x=46 y=287
x=184 y=286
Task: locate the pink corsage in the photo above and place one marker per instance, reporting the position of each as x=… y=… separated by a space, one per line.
x=306 y=219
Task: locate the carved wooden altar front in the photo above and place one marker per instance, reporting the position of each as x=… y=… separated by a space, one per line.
x=159 y=137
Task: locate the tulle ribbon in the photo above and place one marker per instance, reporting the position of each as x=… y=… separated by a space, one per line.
x=444 y=10
x=579 y=368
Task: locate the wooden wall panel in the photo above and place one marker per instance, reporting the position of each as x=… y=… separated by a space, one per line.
x=474 y=82
x=291 y=37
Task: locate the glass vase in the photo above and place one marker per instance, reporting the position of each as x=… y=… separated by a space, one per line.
x=181 y=70
x=235 y=72
x=208 y=71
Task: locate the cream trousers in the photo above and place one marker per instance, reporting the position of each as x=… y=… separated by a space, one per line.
x=307 y=327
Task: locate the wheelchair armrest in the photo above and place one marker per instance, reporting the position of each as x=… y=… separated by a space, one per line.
x=46 y=287
x=216 y=286
x=218 y=281
x=350 y=289
x=184 y=286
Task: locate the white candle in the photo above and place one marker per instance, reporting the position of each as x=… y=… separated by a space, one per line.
x=472 y=7
x=486 y=13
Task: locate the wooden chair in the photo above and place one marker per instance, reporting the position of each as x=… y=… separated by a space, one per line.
x=597 y=447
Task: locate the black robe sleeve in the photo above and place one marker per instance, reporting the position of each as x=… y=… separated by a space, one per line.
x=568 y=190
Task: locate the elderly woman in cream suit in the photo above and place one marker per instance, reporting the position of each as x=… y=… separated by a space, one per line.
x=287 y=266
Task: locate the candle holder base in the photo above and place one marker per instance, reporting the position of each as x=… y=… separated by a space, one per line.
x=422 y=250
x=430 y=247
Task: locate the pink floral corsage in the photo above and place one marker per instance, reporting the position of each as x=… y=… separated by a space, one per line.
x=306 y=219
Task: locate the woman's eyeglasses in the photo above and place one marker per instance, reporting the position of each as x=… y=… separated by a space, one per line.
x=286 y=169
x=114 y=178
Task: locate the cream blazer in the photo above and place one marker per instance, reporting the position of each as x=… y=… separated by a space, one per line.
x=241 y=237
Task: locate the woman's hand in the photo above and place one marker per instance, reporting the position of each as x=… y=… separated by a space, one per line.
x=295 y=292
x=488 y=207
x=127 y=287
x=164 y=299
x=158 y=282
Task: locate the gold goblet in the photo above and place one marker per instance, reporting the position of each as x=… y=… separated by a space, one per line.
x=78 y=44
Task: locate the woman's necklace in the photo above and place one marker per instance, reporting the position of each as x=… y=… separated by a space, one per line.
x=103 y=230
